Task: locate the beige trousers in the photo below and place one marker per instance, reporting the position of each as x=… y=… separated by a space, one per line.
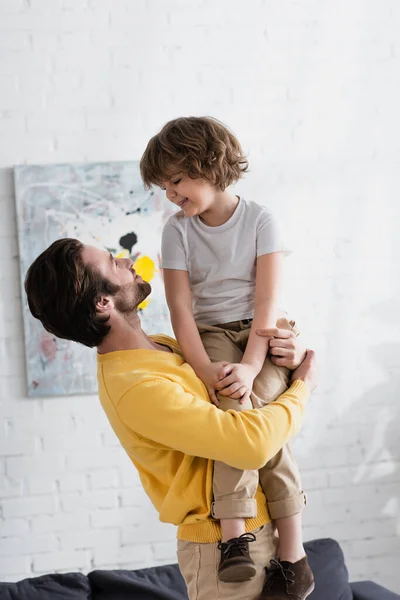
x=234 y=489
x=198 y=564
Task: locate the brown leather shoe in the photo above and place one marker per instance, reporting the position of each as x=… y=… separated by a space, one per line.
x=288 y=581
x=236 y=564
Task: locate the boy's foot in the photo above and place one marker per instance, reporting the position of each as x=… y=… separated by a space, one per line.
x=286 y=580
x=236 y=564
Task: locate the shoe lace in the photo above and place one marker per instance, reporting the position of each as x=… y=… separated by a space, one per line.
x=238 y=544
x=278 y=573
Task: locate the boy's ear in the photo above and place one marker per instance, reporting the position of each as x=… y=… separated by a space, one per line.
x=104 y=305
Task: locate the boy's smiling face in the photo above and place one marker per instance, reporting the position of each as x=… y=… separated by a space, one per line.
x=192 y=196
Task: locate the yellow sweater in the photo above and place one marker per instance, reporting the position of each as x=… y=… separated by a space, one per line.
x=162 y=415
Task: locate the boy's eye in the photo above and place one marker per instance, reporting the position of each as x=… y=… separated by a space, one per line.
x=162 y=188
x=177 y=181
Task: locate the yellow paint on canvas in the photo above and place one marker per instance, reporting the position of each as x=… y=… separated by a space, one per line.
x=145 y=267
x=123 y=254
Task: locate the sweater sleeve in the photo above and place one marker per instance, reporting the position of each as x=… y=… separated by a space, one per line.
x=163 y=412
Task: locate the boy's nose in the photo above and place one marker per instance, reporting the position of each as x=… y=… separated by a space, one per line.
x=171 y=195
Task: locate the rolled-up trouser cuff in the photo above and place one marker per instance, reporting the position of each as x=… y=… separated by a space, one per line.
x=234 y=509
x=288 y=507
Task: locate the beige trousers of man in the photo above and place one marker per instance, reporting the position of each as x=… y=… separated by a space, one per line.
x=198 y=564
x=234 y=489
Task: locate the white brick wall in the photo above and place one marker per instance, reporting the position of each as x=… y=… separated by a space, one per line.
x=312 y=90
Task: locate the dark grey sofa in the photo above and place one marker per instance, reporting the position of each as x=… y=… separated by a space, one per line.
x=166 y=583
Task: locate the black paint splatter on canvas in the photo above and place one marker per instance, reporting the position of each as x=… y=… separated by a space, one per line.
x=128 y=240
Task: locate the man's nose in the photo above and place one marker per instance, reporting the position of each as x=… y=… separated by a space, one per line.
x=129 y=263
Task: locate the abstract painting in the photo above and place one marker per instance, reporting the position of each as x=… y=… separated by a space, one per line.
x=102 y=204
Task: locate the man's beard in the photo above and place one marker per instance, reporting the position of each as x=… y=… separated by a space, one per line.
x=128 y=297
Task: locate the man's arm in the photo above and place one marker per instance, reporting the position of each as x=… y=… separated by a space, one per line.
x=163 y=412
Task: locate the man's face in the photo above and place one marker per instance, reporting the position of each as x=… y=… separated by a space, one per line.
x=119 y=271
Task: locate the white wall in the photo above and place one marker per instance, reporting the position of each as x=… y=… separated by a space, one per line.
x=312 y=90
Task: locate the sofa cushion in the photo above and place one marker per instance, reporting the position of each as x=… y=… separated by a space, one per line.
x=69 y=586
x=166 y=583
x=326 y=560
x=155 y=583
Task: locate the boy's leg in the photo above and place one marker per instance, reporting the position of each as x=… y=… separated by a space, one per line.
x=198 y=564
x=281 y=483
x=233 y=489
x=280 y=477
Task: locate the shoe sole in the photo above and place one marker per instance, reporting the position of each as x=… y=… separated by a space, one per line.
x=237 y=573
x=309 y=591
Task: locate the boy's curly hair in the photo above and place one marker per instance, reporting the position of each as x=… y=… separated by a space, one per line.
x=201 y=147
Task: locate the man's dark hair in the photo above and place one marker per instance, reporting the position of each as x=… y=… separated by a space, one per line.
x=62 y=293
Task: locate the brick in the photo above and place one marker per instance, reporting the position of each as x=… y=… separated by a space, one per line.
x=78 y=442
x=46 y=22
x=29 y=544
x=12 y=565
x=89 y=500
x=129 y=475
x=24 y=62
x=13 y=527
x=372 y=547
x=72 y=101
x=93 y=461
x=21 y=150
x=54 y=561
x=11 y=124
x=38 y=424
x=46 y=6
x=114 y=517
x=25 y=507
x=44 y=42
x=109 y=538
x=165 y=551
x=40 y=485
x=10 y=488
x=110 y=439
x=103 y=479
x=147 y=532
x=13 y=7
x=60 y=522
x=314 y=480
x=40 y=463
x=71 y=482
x=74 y=4
x=134 y=555
x=15 y=445
x=137 y=16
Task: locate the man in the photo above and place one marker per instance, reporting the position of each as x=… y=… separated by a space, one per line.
x=161 y=411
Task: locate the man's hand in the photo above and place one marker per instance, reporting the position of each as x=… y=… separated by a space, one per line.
x=285 y=349
x=307 y=371
x=210 y=374
x=238 y=381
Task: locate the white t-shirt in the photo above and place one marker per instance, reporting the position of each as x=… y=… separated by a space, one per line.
x=221 y=261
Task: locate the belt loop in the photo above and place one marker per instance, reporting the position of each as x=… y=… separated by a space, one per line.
x=245 y=322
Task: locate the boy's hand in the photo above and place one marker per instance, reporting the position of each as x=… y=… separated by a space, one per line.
x=210 y=374
x=285 y=349
x=238 y=381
